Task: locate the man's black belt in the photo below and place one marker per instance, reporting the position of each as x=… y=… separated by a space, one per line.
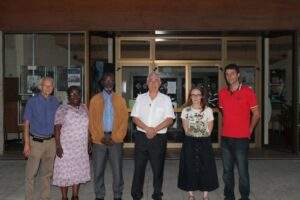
x=107 y=133
x=40 y=139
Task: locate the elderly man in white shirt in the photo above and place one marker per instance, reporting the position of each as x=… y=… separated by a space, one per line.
x=152 y=113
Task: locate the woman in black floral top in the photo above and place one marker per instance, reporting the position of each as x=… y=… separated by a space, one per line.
x=197 y=168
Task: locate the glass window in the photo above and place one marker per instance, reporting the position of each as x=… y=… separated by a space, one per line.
x=173 y=83
x=77 y=50
x=51 y=50
x=29 y=57
x=281 y=92
x=188 y=49
x=247 y=76
x=77 y=61
x=101 y=56
x=18 y=52
x=10 y=56
x=134 y=82
x=241 y=50
x=62 y=54
x=135 y=49
x=98 y=48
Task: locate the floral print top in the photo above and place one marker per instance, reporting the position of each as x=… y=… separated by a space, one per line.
x=197 y=121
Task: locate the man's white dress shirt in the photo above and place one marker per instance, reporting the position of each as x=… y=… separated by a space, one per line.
x=153 y=112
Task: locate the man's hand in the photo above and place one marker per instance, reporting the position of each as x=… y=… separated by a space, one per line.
x=110 y=141
x=107 y=140
x=150 y=132
x=59 y=151
x=26 y=150
x=104 y=141
x=26 y=138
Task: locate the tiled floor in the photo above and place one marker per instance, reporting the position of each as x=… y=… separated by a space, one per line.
x=270 y=180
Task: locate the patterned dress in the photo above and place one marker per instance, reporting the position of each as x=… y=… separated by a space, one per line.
x=73 y=167
x=197 y=167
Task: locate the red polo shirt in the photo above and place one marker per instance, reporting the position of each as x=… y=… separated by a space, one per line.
x=236 y=108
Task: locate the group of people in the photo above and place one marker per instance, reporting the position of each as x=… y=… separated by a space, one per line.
x=59 y=138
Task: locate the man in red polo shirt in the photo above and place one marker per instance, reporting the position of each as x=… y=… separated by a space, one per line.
x=240 y=115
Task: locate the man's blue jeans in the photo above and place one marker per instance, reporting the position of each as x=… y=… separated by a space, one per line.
x=235 y=151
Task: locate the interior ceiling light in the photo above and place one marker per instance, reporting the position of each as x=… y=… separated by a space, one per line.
x=160 y=32
x=160 y=39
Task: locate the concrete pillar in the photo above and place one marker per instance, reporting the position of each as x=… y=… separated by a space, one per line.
x=1 y=94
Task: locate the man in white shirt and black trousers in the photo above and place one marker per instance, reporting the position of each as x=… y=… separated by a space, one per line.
x=152 y=113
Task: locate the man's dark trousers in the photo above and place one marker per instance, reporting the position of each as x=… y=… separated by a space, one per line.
x=153 y=150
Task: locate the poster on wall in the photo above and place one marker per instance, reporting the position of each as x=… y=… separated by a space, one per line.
x=74 y=77
x=171 y=87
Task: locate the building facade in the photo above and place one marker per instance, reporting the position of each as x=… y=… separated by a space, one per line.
x=187 y=42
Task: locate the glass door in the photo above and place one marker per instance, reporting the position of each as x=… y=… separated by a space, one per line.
x=281 y=93
x=132 y=83
x=177 y=79
x=248 y=77
x=173 y=84
x=208 y=77
x=183 y=62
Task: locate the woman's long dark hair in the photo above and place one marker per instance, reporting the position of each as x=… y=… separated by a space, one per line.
x=203 y=99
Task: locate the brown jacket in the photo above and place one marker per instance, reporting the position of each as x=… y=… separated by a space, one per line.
x=120 y=123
